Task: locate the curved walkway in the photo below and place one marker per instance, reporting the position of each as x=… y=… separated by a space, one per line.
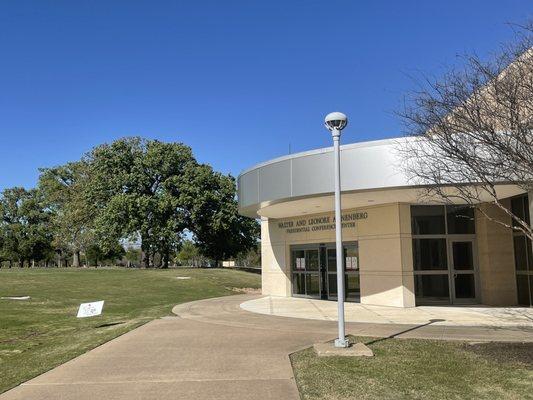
x=213 y=349
x=496 y=317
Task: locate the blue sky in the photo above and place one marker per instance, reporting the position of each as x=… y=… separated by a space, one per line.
x=238 y=81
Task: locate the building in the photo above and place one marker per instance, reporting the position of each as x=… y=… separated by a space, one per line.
x=397 y=252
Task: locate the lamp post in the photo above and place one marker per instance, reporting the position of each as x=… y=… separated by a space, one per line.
x=335 y=122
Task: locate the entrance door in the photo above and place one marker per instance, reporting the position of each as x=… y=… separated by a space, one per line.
x=306 y=272
x=351 y=272
x=314 y=271
x=463 y=271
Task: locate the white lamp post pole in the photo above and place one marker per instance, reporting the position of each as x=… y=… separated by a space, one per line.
x=335 y=122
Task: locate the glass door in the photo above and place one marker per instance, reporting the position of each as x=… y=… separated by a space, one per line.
x=314 y=271
x=463 y=271
x=351 y=273
x=306 y=272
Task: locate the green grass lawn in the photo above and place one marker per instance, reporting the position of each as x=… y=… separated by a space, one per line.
x=43 y=332
x=419 y=369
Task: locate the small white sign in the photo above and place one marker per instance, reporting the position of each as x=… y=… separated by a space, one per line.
x=351 y=263
x=90 y=309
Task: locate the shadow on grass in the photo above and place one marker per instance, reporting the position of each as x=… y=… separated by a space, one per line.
x=431 y=321
x=110 y=324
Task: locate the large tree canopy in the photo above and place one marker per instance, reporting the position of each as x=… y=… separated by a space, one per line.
x=132 y=191
x=135 y=184
x=219 y=229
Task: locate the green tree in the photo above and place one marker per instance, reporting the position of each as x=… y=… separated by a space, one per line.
x=220 y=231
x=97 y=256
x=135 y=184
x=133 y=256
x=188 y=254
x=25 y=226
x=64 y=190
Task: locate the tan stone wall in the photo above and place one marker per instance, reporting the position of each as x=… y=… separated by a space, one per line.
x=497 y=279
x=385 y=253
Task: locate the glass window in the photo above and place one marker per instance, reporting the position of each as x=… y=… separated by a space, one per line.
x=332 y=260
x=298 y=283
x=311 y=262
x=465 y=286
x=427 y=220
x=352 y=286
x=429 y=254
x=460 y=220
x=312 y=284
x=332 y=285
x=522 y=286
x=530 y=290
x=298 y=260
x=463 y=257
x=432 y=287
x=520 y=207
x=520 y=253
x=351 y=258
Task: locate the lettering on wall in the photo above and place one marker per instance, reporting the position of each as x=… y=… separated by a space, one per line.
x=322 y=223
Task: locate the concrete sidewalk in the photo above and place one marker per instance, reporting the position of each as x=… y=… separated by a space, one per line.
x=293 y=307
x=213 y=349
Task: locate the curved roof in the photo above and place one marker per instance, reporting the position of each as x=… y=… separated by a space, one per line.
x=302 y=183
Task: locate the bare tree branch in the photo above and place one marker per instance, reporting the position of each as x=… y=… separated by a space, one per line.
x=473 y=130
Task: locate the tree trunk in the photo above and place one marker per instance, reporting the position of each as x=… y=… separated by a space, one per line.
x=76 y=259
x=166 y=257
x=10 y=264
x=145 y=254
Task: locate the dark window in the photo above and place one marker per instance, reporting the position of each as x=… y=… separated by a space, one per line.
x=332 y=285
x=427 y=220
x=520 y=253
x=460 y=220
x=297 y=257
x=522 y=285
x=465 y=287
x=517 y=207
x=520 y=208
x=352 y=286
x=311 y=262
x=432 y=287
x=298 y=283
x=312 y=284
x=429 y=254
x=463 y=259
x=332 y=260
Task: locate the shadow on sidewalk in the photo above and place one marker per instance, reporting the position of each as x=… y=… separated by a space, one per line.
x=431 y=321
